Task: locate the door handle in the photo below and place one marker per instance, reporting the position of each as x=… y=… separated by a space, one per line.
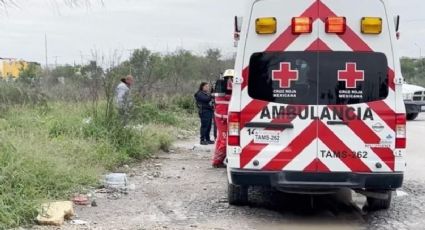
x=269 y=125
x=337 y=123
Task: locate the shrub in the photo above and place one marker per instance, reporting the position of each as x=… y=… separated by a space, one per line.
x=186 y=103
x=14 y=93
x=16 y=209
x=28 y=178
x=149 y=113
x=48 y=154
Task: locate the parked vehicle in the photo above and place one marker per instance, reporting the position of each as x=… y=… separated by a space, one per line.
x=414 y=99
x=317 y=101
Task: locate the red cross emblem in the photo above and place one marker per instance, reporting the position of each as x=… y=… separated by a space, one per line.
x=285 y=75
x=351 y=75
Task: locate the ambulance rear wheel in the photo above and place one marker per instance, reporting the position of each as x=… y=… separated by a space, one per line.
x=375 y=204
x=237 y=195
x=412 y=116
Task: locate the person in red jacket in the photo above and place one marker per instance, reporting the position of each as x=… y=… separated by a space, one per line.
x=222 y=99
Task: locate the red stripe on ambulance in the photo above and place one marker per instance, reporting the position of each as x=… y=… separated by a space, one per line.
x=284 y=40
x=334 y=143
x=317 y=166
x=287 y=37
x=293 y=149
x=391 y=78
x=368 y=136
x=384 y=112
x=318 y=45
x=252 y=150
x=349 y=37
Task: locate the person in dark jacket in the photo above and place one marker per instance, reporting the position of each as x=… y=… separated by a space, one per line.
x=206 y=112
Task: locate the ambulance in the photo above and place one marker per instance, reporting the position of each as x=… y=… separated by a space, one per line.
x=317 y=103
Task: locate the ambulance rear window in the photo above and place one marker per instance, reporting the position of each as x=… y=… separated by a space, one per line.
x=284 y=77
x=324 y=78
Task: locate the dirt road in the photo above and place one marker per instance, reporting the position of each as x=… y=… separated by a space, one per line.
x=179 y=190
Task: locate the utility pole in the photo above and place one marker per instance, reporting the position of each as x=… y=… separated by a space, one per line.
x=46 y=52
x=421 y=61
x=82 y=57
x=56 y=61
x=131 y=51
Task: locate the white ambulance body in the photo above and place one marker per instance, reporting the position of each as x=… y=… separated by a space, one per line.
x=317 y=100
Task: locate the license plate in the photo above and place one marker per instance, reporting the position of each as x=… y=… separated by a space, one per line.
x=423 y=108
x=268 y=137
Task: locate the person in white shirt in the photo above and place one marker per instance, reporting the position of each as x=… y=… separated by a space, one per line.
x=123 y=96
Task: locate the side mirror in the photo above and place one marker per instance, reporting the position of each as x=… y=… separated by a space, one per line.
x=220 y=87
x=238 y=29
x=238 y=24
x=397 y=23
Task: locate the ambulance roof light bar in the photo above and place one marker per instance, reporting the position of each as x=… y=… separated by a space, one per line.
x=304 y=25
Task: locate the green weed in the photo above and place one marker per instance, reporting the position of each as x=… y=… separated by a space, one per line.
x=49 y=154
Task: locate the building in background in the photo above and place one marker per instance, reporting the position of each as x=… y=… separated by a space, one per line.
x=11 y=67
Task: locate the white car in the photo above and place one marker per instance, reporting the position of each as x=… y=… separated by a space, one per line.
x=414 y=99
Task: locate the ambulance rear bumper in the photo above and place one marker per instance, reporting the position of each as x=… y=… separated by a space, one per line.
x=302 y=180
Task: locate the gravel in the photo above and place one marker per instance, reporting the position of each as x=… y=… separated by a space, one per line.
x=180 y=190
x=407 y=211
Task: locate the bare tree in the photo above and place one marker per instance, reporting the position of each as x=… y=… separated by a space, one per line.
x=71 y=3
x=5 y=3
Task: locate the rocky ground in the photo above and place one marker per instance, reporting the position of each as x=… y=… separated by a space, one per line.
x=407 y=212
x=179 y=190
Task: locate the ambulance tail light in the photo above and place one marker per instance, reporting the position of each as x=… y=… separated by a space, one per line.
x=234 y=129
x=336 y=25
x=400 y=142
x=302 y=25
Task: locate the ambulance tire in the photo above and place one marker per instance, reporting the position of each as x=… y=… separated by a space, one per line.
x=374 y=204
x=412 y=116
x=237 y=194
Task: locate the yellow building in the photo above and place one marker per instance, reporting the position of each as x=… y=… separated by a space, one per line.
x=11 y=68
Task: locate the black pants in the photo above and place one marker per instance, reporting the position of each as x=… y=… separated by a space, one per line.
x=214 y=129
x=206 y=124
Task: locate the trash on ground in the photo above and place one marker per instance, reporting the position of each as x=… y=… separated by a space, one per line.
x=88 y=120
x=135 y=127
x=55 y=213
x=114 y=196
x=81 y=199
x=156 y=174
x=131 y=187
x=79 y=222
x=94 y=203
x=115 y=185
x=116 y=181
x=401 y=193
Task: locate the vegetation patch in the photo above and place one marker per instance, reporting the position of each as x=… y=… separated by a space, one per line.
x=50 y=154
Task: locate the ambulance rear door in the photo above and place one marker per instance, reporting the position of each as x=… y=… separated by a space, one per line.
x=279 y=94
x=356 y=92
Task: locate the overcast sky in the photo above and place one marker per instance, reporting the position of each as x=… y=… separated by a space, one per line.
x=162 y=25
